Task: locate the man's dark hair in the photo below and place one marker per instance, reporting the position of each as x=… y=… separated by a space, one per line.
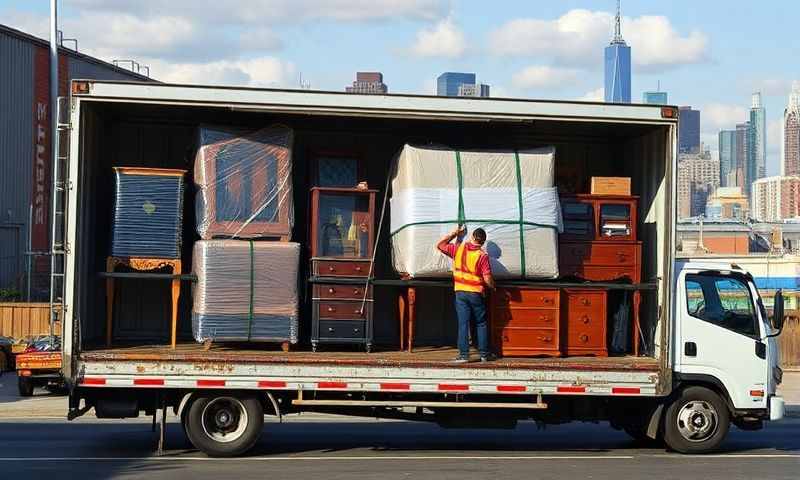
x=479 y=235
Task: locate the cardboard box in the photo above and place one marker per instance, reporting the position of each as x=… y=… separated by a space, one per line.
x=611 y=186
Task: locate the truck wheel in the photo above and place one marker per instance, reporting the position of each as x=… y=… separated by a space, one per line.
x=25 y=386
x=696 y=422
x=224 y=424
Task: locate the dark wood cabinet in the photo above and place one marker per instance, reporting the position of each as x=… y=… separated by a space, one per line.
x=607 y=218
x=342 y=242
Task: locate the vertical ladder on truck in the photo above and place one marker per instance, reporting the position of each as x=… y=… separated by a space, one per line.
x=59 y=248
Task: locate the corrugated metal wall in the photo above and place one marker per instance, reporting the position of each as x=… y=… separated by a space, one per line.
x=17 y=91
x=16 y=155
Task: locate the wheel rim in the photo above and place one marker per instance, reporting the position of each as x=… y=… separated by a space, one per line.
x=224 y=419
x=698 y=421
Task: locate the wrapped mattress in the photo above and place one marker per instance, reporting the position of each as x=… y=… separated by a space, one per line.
x=509 y=194
x=244 y=183
x=245 y=291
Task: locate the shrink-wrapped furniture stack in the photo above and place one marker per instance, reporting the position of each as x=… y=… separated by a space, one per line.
x=247 y=281
x=510 y=194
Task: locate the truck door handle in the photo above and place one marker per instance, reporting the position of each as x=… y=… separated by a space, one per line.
x=690 y=349
x=761 y=350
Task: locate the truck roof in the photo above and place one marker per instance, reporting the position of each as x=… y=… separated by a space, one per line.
x=392 y=105
x=709 y=265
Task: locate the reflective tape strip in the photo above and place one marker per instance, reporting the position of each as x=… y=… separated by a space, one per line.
x=453 y=387
x=271 y=384
x=148 y=382
x=210 y=383
x=511 y=388
x=625 y=390
x=570 y=389
x=332 y=385
x=395 y=386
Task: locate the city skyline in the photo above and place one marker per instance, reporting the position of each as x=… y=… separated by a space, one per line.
x=542 y=50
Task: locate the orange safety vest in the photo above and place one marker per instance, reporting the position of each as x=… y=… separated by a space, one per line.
x=465 y=263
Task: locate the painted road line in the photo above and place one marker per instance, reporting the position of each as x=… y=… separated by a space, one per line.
x=317 y=458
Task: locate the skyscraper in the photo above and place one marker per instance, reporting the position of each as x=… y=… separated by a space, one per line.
x=742 y=155
x=657 y=98
x=368 y=82
x=727 y=158
x=757 y=163
x=448 y=83
x=791 y=133
x=688 y=130
x=618 y=66
x=473 y=90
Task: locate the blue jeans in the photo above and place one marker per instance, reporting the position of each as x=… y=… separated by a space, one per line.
x=470 y=305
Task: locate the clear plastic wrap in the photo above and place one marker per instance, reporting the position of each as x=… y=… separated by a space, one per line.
x=245 y=291
x=509 y=194
x=148 y=212
x=244 y=183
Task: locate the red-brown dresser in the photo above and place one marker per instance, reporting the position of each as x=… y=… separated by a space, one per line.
x=526 y=321
x=584 y=324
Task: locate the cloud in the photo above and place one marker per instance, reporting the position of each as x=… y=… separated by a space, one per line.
x=544 y=77
x=718 y=116
x=275 y=11
x=574 y=40
x=772 y=86
x=596 y=95
x=256 y=72
x=444 y=39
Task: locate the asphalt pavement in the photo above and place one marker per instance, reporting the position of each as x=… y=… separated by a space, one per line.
x=42 y=444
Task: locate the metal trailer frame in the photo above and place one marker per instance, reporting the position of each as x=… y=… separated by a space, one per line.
x=187 y=375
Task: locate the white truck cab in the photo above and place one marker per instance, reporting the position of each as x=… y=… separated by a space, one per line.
x=724 y=338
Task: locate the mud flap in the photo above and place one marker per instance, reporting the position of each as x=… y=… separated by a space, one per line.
x=655 y=422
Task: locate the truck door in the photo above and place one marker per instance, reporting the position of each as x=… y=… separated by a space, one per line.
x=720 y=335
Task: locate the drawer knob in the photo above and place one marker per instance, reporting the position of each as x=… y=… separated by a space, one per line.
x=355 y=330
x=546 y=300
x=545 y=339
x=331 y=290
x=331 y=268
x=356 y=291
x=584 y=338
x=358 y=268
x=330 y=329
x=585 y=301
x=621 y=256
x=505 y=338
x=358 y=311
x=331 y=309
x=585 y=319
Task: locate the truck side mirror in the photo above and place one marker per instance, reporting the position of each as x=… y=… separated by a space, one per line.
x=777 y=312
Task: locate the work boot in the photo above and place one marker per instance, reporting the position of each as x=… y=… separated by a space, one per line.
x=489 y=357
x=460 y=359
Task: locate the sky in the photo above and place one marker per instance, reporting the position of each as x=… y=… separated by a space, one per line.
x=709 y=54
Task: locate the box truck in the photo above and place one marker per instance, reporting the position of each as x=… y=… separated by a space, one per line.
x=708 y=357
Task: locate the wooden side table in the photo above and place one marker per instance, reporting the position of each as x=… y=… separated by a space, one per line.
x=407 y=310
x=142 y=264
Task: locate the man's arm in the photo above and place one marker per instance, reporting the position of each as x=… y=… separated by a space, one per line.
x=488 y=279
x=445 y=241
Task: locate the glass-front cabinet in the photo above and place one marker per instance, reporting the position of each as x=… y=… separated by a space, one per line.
x=342 y=222
x=599 y=217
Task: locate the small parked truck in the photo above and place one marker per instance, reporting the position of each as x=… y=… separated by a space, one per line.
x=708 y=355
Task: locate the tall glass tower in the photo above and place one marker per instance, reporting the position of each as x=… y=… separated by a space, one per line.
x=448 y=83
x=758 y=140
x=618 y=66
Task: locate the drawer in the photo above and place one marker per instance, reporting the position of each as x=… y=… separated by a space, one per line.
x=585 y=253
x=534 y=298
x=526 y=338
x=342 y=329
x=332 y=268
x=334 y=291
x=599 y=274
x=329 y=310
x=585 y=301
x=577 y=339
x=524 y=317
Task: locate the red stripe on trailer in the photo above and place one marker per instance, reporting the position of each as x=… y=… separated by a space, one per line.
x=570 y=389
x=625 y=390
x=93 y=381
x=211 y=383
x=511 y=388
x=453 y=387
x=331 y=385
x=395 y=386
x=150 y=382
x=271 y=384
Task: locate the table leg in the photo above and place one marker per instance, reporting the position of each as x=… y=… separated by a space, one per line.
x=412 y=316
x=109 y=301
x=637 y=329
x=176 y=293
x=401 y=315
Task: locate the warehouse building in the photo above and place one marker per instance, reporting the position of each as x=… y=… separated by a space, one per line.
x=25 y=158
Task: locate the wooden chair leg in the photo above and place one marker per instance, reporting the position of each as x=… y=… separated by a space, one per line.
x=109 y=301
x=637 y=329
x=285 y=347
x=176 y=293
x=401 y=315
x=412 y=316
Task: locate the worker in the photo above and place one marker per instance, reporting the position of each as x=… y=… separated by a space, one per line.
x=472 y=275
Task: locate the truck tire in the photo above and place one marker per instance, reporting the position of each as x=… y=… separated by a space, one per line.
x=697 y=421
x=224 y=424
x=25 y=386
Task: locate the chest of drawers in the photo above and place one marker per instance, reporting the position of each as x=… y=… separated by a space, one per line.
x=341 y=313
x=584 y=322
x=601 y=261
x=525 y=322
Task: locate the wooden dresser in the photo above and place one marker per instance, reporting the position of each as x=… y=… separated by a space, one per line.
x=525 y=321
x=342 y=241
x=584 y=323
